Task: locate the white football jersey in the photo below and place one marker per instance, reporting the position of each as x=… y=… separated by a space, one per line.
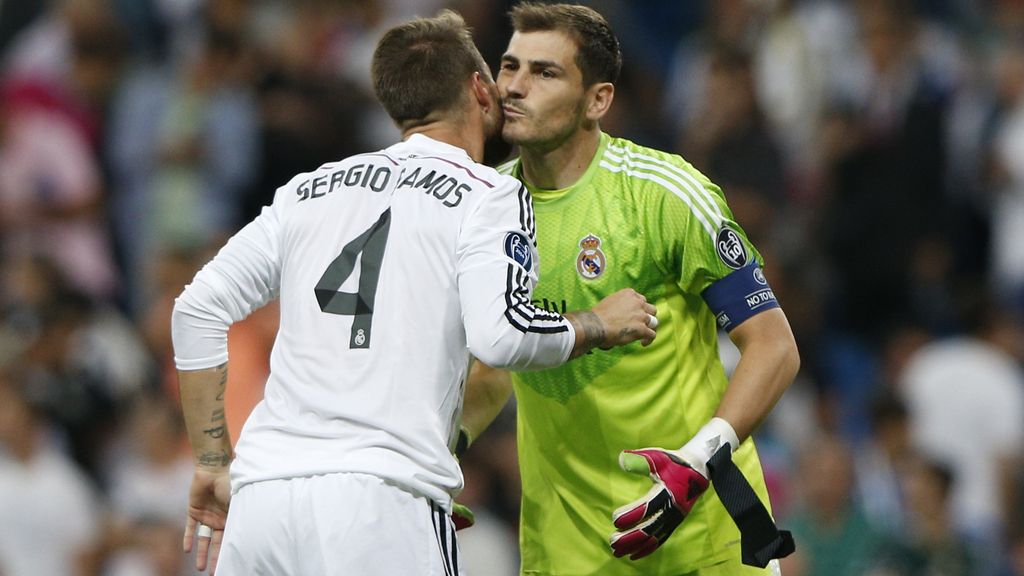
x=392 y=267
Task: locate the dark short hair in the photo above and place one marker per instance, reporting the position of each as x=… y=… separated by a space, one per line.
x=597 y=49
x=419 y=67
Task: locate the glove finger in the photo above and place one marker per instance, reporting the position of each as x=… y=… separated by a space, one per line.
x=637 y=510
x=634 y=540
x=651 y=545
x=635 y=462
x=624 y=543
x=462 y=516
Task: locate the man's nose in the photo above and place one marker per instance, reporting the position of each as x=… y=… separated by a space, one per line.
x=516 y=86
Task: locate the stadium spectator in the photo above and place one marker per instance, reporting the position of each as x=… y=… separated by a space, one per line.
x=834 y=538
x=184 y=146
x=966 y=400
x=928 y=545
x=51 y=514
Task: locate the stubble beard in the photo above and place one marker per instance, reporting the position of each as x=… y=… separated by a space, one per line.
x=543 y=142
x=496 y=150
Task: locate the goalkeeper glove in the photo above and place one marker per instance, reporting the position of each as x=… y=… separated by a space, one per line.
x=462 y=516
x=679 y=476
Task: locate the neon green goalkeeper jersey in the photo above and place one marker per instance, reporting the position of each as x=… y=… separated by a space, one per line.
x=648 y=220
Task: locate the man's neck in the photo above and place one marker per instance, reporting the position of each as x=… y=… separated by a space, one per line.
x=460 y=136
x=563 y=166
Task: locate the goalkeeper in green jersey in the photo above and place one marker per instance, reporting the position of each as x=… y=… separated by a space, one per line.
x=611 y=214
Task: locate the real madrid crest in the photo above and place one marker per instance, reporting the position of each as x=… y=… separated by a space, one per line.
x=591 y=260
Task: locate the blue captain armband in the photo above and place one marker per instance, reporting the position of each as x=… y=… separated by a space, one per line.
x=739 y=296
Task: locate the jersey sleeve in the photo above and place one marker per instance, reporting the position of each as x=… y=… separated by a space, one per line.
x=710 y=252
x=243 y=276
x=497 y=272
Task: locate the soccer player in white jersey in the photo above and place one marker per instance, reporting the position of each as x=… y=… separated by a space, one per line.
x=392 y=268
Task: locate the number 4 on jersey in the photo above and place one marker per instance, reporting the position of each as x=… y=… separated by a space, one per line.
x=371 y=245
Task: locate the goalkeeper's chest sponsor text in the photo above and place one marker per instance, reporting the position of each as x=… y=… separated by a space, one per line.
x=559 y=306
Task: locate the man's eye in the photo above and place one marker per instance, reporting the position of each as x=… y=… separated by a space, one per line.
x=547 y=74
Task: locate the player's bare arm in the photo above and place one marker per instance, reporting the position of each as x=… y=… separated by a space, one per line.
x=202 y=403
x=768 y=363
x=487 y=391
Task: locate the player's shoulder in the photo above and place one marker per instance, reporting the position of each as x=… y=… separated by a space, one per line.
x=374 y=168
x=426 y=156
x=651 y=171
x=292 y=189
x=487 y=179
x=508 y=174
x=506 y=189
x=620 y=152
x=495 y=176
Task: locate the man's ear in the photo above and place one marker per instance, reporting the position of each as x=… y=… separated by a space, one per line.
x=480 y=92
x=599 y=100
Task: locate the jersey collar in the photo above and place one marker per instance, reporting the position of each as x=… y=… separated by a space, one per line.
x=420 y=144
x=544 y=195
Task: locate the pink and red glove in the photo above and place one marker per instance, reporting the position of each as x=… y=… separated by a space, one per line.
x=646 y=523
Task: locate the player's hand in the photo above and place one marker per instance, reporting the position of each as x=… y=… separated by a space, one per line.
x=208 y=500
x=627 y=317
x=462 y=516
x=646 y=523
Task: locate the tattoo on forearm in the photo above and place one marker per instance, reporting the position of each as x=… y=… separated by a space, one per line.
x=215 y=432
x=223 y=384
x=219 y=458
x=219 y=430
x=592 y=327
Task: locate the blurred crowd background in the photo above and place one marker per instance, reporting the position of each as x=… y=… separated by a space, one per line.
x=872 y=149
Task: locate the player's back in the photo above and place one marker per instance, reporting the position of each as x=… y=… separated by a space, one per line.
x=367 y=369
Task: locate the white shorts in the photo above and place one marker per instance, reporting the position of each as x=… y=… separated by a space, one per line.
x=336 y=524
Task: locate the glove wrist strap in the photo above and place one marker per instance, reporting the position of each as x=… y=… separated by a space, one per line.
x=760 y=539
x=712 y=436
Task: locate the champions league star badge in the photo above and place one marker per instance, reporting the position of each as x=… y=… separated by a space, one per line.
x=591 y=260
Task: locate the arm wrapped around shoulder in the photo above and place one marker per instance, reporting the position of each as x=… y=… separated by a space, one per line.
x=506 y=331
x=497 y=272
